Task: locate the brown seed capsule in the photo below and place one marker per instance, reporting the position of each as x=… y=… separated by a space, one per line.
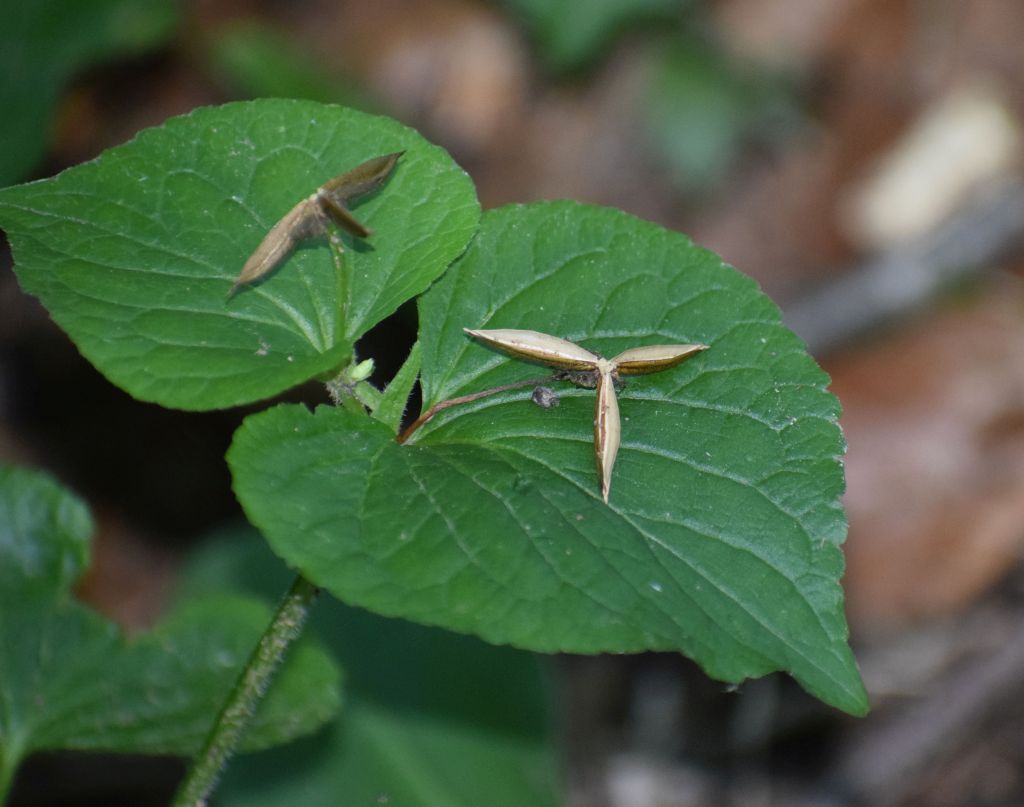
x=311 y=218
x=588 y=369
x=607 y=428
x=361 y=179
x=653 y=358
x=538 y=347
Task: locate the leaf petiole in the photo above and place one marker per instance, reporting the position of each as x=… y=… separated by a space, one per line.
x=408 y=432
x=342 y=278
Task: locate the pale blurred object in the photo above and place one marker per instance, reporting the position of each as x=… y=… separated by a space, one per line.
x=787 y=36
x=965 y=140
x=982 y=235
x=635 y=779
x=465 y=78
x=934 y=418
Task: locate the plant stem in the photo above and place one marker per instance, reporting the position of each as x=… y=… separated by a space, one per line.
x=246 y=695
x=9 y=759
x=342 y=285
x=438 y=407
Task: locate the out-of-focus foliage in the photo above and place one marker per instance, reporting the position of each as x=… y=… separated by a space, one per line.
x=43 y=43
x=72 y=680
x=430 y=717
x=253 y=60
x=571 y=33
x=700 y=110
x=699 y=107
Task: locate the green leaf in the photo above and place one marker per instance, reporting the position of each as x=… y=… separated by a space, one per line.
x=571 y=33
x=72 y=680
x=396 y=397
x=134 y=253
x=431 y=718
x=44 y=538
x=43 y=43
x=722 y=538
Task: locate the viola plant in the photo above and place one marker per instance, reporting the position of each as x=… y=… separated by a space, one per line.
x=477 y=515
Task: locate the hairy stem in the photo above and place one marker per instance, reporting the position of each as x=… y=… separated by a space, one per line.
x=246 y=695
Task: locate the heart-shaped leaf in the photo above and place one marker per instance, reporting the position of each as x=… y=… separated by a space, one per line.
x=722 y=536
x=133 y=254
x=72 y=680
x=431 y=717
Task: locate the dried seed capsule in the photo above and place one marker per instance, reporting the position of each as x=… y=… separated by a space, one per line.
x=607 y=430
x=588 y=369
x=653 y=358
x=335 y=193
x=311 y=217
x=361 y=179
x=302 y=221
x=538 y=347
x=339 y=214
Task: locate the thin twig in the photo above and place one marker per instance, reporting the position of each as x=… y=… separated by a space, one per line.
x=885 y=759
x=422 y=419
x=987 y=229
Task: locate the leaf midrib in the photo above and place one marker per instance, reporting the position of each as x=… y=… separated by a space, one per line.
x=752 y=613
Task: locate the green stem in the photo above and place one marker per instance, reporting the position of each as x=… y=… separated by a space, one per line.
x=246 y=695
x=342 y=284
x=9 y=759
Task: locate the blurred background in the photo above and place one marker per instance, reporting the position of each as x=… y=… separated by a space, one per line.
x=861 y=159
